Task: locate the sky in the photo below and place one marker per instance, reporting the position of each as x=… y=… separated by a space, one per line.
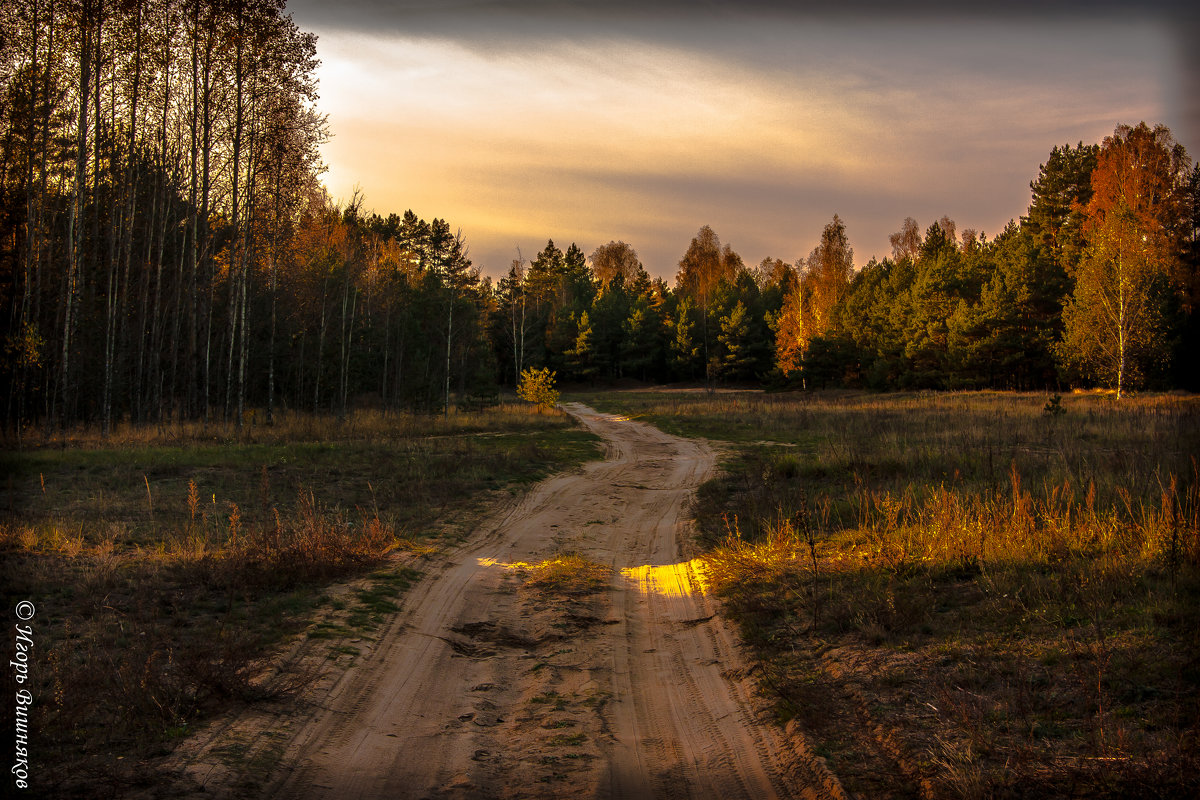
x=588 y=122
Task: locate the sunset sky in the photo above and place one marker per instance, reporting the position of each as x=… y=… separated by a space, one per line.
x=592 y=121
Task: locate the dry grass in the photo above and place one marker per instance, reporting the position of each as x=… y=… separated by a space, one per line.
x=964 y=595
x=396 y=469
x=169 y=566
x=299 y=426
x=569 y=575
x=136 y=644
x=969 y=439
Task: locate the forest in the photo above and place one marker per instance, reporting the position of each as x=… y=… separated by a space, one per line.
x=167 y=252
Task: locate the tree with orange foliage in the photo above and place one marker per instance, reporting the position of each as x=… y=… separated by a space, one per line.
x=790 y=335
x=906 y=242
x=1114 y=326
x=809 y=307
x=701 y=270
x=830 y=267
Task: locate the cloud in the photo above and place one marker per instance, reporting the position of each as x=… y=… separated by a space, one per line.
x=643 y=125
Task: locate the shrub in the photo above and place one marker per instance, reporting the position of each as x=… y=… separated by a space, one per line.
x=537 y=386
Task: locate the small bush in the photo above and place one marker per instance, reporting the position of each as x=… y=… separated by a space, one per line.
x=537 y=387
x=1054 y=407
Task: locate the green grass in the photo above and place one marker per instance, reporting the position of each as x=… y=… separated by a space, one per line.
x=168 y=564
x=385 y=589
x=961 y=594
x=567 y=740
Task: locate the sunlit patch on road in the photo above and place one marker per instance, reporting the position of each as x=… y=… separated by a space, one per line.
x=492 y=562
x=669 y=580
x=615 y=418
x=685 y=579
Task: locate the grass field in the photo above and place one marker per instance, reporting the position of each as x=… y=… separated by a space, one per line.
x=169 y=565
x=964 y=595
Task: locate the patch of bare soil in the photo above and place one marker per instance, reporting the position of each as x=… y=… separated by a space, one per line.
x=500 y=678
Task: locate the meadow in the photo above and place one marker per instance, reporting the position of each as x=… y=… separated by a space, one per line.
x=963 y=594
x=172 y=565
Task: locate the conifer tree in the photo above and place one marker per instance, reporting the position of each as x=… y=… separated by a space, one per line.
x=1060 y=194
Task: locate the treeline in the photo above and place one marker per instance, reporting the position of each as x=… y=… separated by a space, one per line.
x=167 y=252
x=1097 y=285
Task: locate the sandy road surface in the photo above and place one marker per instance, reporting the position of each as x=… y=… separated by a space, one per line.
x=480 y=688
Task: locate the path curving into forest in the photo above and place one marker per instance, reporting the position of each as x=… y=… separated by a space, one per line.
x=480 y=688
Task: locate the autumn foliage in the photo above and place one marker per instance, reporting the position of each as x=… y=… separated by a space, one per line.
x=1115 y=324
x=537 y=387
x=181 y=261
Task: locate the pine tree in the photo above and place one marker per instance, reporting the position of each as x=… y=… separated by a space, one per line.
x=685 y=349
x=1060 y=194
x=740 y=348
x=642 y=342
x=582 y=357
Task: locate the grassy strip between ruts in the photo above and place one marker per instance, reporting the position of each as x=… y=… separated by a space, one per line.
x=168 y=565
x=964 y=595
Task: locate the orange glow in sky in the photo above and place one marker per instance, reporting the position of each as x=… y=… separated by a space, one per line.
x=762 y=127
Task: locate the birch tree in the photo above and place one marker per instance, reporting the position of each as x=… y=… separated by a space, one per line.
x=1113 y=322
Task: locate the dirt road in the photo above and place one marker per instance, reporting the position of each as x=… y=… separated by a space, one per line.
x=482 y=688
